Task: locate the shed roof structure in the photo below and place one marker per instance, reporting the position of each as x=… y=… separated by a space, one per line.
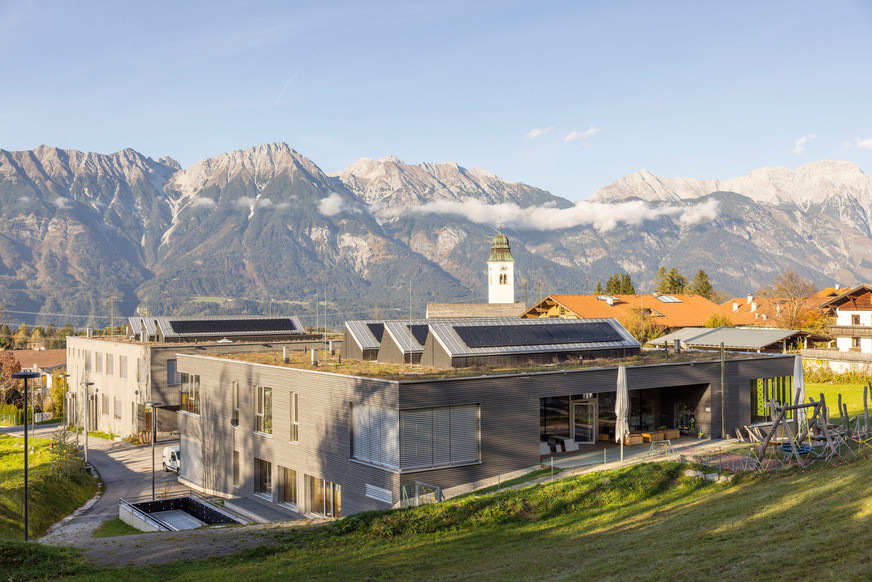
x=488 y=341
x=736 y=338
x=211 y=328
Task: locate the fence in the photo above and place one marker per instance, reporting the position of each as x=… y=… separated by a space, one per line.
x=419 y=494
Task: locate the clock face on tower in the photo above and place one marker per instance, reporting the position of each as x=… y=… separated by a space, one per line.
x=504 y=268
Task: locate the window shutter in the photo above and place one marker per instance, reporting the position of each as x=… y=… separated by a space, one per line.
x=416 y=429
x=441 y=436
x=464 y=434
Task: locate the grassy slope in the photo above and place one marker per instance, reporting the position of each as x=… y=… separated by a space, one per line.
x=50 y=500
x=645 y=522
x=852 y=396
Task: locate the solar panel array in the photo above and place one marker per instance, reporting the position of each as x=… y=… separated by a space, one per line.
x=377 y=330
x=232 y=326
x=487 y=336
x=419 y=332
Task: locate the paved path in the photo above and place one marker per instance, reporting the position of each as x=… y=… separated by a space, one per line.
x=125 y=470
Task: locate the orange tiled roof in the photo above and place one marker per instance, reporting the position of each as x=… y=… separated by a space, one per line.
x=40 y=358
x=768 y=305
x=690 y=311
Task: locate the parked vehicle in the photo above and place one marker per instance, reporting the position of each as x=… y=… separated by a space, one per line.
x=172 y=460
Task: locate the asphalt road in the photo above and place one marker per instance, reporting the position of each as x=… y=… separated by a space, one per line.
x=126 y=472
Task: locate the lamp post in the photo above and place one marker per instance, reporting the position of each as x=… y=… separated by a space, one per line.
x=25 y=376
x=153 y=404
x=66 y=399
x=87 y=426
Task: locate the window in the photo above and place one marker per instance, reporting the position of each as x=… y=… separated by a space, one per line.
x=263 y=411
x=763 y=390
x=117 y=409
x=235 y=404
x=87 y=361
x=438 y=437
x=375 y=435
x=190 y=393
x=98 y=362
x=504 y=279
x=855 y=320
x=263 y=477
x=855 y=342
x=122 y=366
x=110 y=365
x=104 y=404
x=289 y=486
x=236 y=469
x=416 y=439
x=295 y=417
x=324 y=497
x=173 y=373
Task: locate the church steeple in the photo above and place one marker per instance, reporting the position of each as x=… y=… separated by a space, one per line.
x=501 y=271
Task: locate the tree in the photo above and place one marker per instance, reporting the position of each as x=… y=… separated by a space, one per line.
x=599 y=288
x=619 y=284
x=701 y=285
x=789 y=295
x=669 y=281
x=718 y=320
x=8 y=366
x=641 y=326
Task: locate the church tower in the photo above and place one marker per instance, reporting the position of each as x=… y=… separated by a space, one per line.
x=500 y=271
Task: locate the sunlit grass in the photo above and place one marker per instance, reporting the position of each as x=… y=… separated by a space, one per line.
x=852 y=396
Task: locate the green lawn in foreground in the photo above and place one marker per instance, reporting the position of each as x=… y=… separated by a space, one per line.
x=646 y=522
x=50 y=499
x=852 y=396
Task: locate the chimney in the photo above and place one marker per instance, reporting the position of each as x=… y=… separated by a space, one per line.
x=756 y=315
x=286 y=354
x=750 y=298
x=837 y=286
x=610 y=301
x=314 y=357
x=778 y=309
x=754 y=306
x=735 y=306
x=89 y=332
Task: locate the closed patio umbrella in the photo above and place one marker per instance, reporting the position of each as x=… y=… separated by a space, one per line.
x=622 y=407
x=799 y=391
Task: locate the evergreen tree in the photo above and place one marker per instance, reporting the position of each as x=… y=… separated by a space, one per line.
x=599 y=288
x=670 y=281
x=627 y=287
x=701 y=285
x=613 y=285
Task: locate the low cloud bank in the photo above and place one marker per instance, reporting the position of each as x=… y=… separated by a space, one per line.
x=603 y=217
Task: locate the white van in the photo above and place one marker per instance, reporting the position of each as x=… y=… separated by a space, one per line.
x=172 y=460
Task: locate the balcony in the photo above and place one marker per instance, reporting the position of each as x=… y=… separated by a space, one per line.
x=851 y=330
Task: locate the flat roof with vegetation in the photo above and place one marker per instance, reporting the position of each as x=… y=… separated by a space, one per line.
x=410 y=372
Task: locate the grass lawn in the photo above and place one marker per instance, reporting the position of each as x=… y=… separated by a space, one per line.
x=115 y=527
x=852 y=396
x=645 y=522
x=50 y=498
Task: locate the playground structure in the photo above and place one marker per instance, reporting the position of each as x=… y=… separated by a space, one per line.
x=799 y=435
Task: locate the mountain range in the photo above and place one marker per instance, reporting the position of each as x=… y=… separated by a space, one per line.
x=84 y=235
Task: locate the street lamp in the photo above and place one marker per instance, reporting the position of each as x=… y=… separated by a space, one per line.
x=87 y=426
x=153 y=404
x=25 y=375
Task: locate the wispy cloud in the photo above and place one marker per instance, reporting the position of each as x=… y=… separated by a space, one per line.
x=335 y=204
x=539 y=132
x=800 y=144
x=603 y=217
x=861 y=144
x=62 y=202
x=202 y=202
x=248 y=202
x=574 y=135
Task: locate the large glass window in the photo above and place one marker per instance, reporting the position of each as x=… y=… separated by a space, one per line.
x=236 y=475
x=190 y=393
x=117 y=409
x=765 y=389
x=289 y=485
x=98 y=362
x=323 y=497
x=262 y=477
x=263 y=411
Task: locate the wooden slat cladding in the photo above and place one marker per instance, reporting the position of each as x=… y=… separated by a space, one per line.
x=509 y=408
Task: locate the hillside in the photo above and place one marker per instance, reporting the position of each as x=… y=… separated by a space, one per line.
x=85 y=233
x=646 y=522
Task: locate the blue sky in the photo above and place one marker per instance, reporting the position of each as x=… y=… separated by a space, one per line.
x=566 y=96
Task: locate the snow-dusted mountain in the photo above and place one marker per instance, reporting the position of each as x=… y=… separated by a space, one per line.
x=267 y=223
x=391 y=183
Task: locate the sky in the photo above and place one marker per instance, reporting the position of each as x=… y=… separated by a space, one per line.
x=565 y=96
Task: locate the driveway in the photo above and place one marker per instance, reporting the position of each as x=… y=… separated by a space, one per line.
x=126 y=472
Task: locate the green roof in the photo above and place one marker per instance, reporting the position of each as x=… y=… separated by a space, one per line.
x=500 y=251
